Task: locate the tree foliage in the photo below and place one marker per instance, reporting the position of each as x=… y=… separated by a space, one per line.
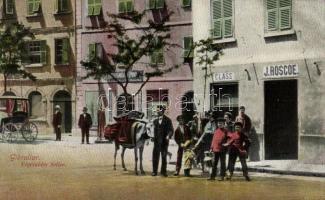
x=13 y=51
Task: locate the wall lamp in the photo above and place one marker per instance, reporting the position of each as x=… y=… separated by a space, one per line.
x=248 y=75
x=317 y=68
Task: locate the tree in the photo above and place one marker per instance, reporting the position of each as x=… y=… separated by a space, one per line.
x=13 y=51
x=149 y=39
x=207 y=52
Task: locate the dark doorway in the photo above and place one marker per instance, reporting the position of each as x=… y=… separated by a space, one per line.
x=63 y=99
x=188 y=106
x=281 y=120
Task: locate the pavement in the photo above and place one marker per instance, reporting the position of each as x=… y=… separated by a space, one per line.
x=282 y=167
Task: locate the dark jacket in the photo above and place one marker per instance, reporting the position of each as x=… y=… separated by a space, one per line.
x=161 y=131
x=57 y=119
x=181 y=137
x=85 y=122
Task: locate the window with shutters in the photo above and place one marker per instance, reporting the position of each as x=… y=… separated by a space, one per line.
x=222 y=18
x=62 y=6
x=33 y=7
x=36 y=52
x=94 y=7
x=186 y=3
x=278 y=15
x=155 y=4
x=157 y=57
x=187 y=46
x=125 y=6
x=95 y=50
x=62 y=51
x=9 y=7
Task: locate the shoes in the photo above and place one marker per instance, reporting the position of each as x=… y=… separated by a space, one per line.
x=247 y=178
x=154 y=174
x=88 y=143
x=176 y=174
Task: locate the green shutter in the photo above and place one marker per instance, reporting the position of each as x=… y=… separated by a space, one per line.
x=227 y=18
x=121 y=6
x=129 y=6
x=188 y=43
x=160 y=4
x=37 y=5
x=91 y=50
x=186 y=3
x=10 y=4
x=97 y=7
x=43 y=51
x=151 y=4
x=62 y=5
x=160 y=56
x=272 y=14
x=57 y=6
x=65 y=50
x=30 y=7
x=216 y=19
x=285 y=14
x=91 y=7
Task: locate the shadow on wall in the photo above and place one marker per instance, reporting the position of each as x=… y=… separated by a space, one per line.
x=255 y=146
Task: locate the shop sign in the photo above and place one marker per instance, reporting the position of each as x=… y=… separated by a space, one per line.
x=133 y=76
x=226 y=76
x=280 y=71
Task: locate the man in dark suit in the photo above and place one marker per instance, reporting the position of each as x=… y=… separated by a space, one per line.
x=85 y=122
x=163 y=132
x=57 y=121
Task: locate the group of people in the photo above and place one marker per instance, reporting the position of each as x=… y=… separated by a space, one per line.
x=84 y=123
x=220 y=136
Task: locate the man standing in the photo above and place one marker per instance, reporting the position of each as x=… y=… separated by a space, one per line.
x=244 y=120
x=238 y=144
x=229 y=125
x=163 y=131
x=57 y=121
x=85 y=123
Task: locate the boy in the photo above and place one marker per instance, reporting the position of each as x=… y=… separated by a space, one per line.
x=219 y=138
x=238 y=144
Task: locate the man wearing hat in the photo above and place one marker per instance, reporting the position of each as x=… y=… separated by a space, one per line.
x=219 y=138
x=244 y=120
x=56 y=122
x=163 y=131
x=85 y=122
x=182 y=136
x=238 y=144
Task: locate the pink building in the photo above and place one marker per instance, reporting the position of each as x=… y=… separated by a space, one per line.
x=169 y=89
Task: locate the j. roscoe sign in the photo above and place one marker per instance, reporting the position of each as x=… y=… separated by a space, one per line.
x=133 y=76
x=278 y=71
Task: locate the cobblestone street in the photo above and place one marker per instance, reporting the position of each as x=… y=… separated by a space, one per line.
x=69 y=170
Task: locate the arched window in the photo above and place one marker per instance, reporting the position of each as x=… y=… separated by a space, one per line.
x=36 y=107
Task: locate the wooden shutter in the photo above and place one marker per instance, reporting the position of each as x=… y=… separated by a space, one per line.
x=160 y=56
x=216 y=19
x=160 y=4
x=37 y=6
x=121 y=6
x=99 y=50
x=272 y=14
x=91 y=50
x=97 y=7
x=65 y=50
x=43 y=51
x=227 y=18
x=285 y=14
x=129 y=6
x=188 y=43
x=91 y=7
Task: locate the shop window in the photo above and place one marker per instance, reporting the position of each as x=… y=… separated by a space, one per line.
x=224 y=98
x=155 y=98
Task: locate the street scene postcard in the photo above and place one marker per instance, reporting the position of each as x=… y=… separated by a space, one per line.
x=162 y=99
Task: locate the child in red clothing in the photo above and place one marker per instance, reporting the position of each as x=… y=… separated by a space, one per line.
x=219 y=138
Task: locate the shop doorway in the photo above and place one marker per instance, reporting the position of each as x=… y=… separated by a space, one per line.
x=63 y=99
x=281 y=120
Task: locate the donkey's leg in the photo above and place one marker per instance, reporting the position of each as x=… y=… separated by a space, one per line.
x=141 y=158
x=115 y=153
x=122 y=157
x=136 y=160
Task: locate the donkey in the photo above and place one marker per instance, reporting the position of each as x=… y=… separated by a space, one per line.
x=141 y=130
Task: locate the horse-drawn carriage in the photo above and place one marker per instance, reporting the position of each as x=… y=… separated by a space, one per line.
x=15 y=120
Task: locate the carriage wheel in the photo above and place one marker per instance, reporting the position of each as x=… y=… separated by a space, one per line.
x=29 y=131
x=10 y=132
